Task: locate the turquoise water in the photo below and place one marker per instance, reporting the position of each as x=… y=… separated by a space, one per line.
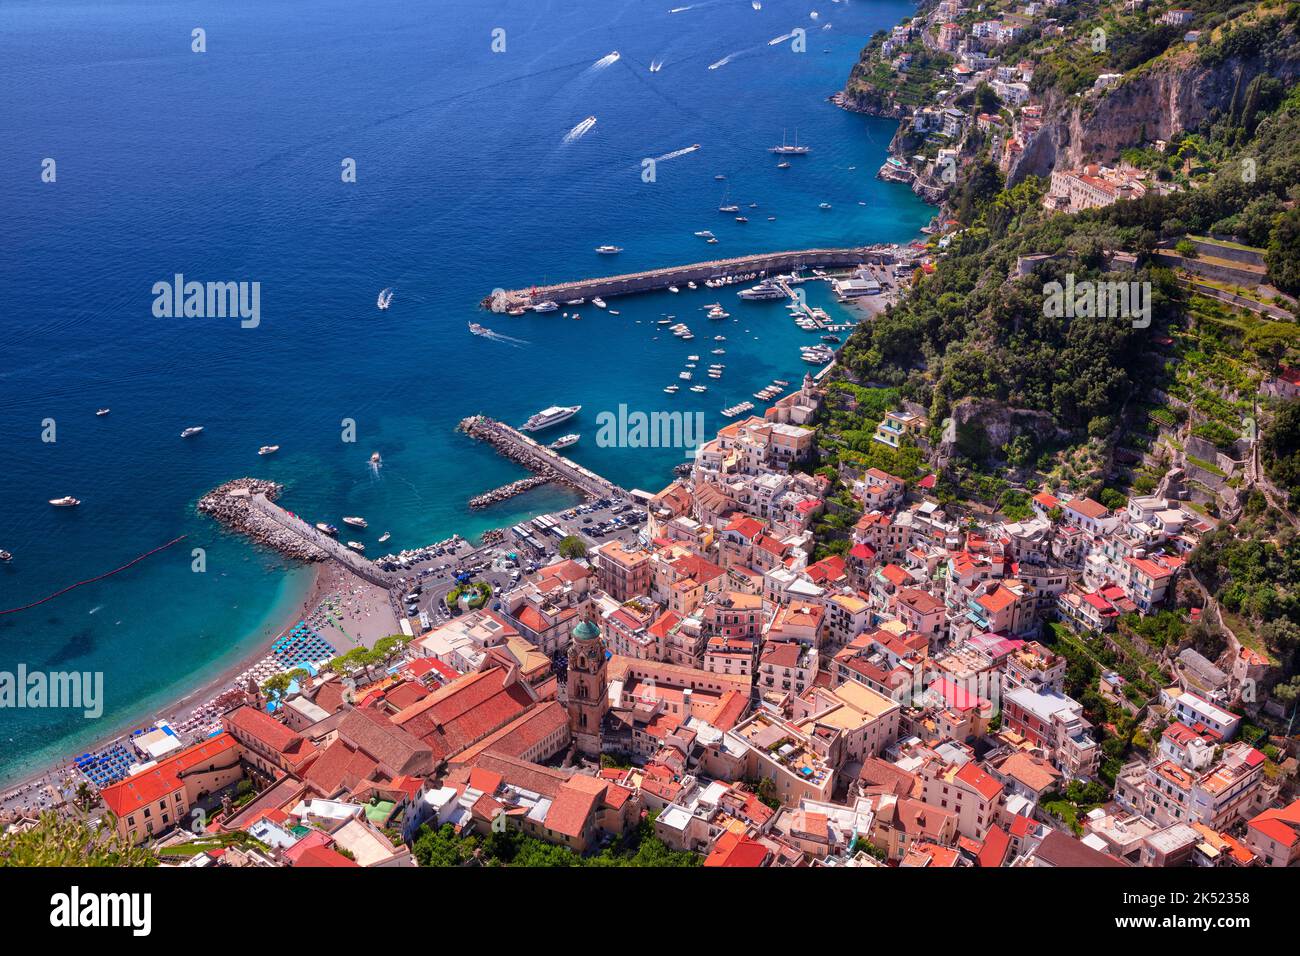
x=225 y=166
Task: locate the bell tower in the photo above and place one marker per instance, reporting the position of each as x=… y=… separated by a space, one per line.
x=587 y=689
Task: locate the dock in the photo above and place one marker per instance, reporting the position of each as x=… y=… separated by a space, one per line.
x=546 y=463
x=762 y=265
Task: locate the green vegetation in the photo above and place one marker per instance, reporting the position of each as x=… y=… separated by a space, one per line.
x=511 y=847
x=1280 y=450
x=572 y=547
x=477 y=594
x=56 y=841
x=360 y=658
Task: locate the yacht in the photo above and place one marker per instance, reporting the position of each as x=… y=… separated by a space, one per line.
x=719 y=352
x=598 y=302
x=742 y=219
x=729 y=207
x=564 y=441
x=784 y=164
x=482 y=330
x=765 y=291
x=328 y=529
x=609 y=250
x=673 y=288
x=671 y=389
x=790 y=150
x=719 y=177
x=711 y=240
x=357 y=546
x=385 y=298
x=684 y=375
x=691 y=285
x=547 y=306
x=65 y=502
x=704 y=234
x=384 y=537
x=354 y=522
x=192 y=431
x=824 y=205
x=699 y=388
x=268 y=449
x=103 y=411
x=830 y=338
x=5 y=555
x=718 y=313
x=550 y=416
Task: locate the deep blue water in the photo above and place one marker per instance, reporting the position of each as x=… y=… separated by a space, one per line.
x=225 y=166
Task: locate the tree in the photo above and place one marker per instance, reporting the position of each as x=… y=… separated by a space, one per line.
x=1283 y=256
x=572 y=547
x=58 y=841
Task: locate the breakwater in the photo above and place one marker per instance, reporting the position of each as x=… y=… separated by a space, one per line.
x=762 y=265
x=546 y=463
x=510 y=490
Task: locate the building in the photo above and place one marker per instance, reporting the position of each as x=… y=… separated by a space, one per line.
x=1055 y=723
x=588 y=698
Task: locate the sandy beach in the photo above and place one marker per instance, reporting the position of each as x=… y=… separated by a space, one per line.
x=343 y=609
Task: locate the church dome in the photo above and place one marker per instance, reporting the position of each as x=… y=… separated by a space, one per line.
x=586 y=631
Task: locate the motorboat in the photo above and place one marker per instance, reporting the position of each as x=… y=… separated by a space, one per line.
x=65 y=502
x=608 y=250
x=191 y=431
x=328 y=529
x=268 y=449
x=353 y=521
x=357 y=546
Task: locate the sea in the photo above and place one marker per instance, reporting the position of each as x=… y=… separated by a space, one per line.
x=325 y=150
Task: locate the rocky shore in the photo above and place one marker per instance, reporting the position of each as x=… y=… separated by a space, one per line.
x=512 y=489
x=231 y=504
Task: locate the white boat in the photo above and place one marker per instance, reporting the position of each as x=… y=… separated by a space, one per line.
x=824 y=205
x=608 y=250
x=671 y=389
x=328 y=529
x=384 y=537
x=374 y=458
x=548 y=417
x=790 y=150
x=731 y=207
x=547 y=306
x=357 y=546
x=616 y=312
x=598 y=302
x=574 y=301
x=5 y=555
x=766 y=290
x=268 y=449
x=673 y=288
x=385 y=298
x=698 y=389
x=191 y=431
x=742 y=219
x=718 y=312
x=103 y=411
x=692 y=358
x=354 y=522
x=65 y=502
x=719 y=351
x=564 y=441
x=704 y=234
x=684 y=376
x=711 y=240
x=784 y=164
x=480 y=330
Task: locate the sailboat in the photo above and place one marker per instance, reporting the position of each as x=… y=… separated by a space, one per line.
x=726 y=206
x=791 y=150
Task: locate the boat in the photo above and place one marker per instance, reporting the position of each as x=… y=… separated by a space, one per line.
x=616 y=312
x=357 y=546
x=711 y=240
x=742 y=219
x=718 y=312
x=609 y=250
x=374 y=458
x=673 y=288
x=830 y=338
x=268 y=449
x=684 y=375
x=574 y=301
x=719 y=338
x=548 y=417
x=692 y=358
x=385 y=298
x=482 y=330
x=65 y=502
x=564 y=441
x=191 y=431
x=5 y=555
x=784 y=164
x=699 y=388
x=719 y=177
x=771 y=218
x=824 y=205
x=766 y=290
x=384 y=537
x=103 y=411
x=756 y=4
x=598 y=302
x=719 y=351
x=730 y=207
x=353 y=521
x=691 y=285
x=671 y=389
x=786 y=149
x=547 y=306
x=328 y=529
x=704 y=234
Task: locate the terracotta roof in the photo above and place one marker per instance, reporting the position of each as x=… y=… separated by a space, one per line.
x=162 y=780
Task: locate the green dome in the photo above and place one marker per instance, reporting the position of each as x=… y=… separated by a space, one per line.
x=586 y=631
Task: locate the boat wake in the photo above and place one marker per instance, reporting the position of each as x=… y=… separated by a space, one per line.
x=781 y=39
x=724 y=61
x=605 y=62
x=579 y=131
x=502 y=338
x=656 y=66
x=676 y=153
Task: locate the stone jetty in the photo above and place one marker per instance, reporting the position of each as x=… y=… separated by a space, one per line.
x=546 y=463
x=232 y=504
x=512 y=489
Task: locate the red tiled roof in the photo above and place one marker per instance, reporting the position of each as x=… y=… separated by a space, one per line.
x=160 y=781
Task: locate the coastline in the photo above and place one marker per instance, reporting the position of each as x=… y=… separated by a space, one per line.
x=179 y=708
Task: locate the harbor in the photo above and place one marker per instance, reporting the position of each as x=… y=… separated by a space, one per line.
x=547 y=464
x=762 y=264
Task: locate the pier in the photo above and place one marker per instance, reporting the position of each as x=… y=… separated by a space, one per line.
x=548 y=464
x=247 y=505
x=761 y=265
